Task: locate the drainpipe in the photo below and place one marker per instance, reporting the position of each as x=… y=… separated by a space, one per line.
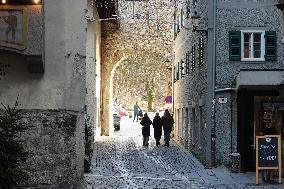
x=213 y=130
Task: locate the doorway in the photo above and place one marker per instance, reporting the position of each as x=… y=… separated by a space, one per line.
x=251 y=110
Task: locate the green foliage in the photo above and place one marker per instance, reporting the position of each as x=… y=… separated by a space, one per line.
x=12 y=152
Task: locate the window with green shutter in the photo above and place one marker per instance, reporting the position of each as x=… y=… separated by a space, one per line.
x=235 y=45
x=270 y=45
x=187 y=63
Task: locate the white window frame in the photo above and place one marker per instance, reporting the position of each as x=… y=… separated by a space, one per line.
x=262 y=58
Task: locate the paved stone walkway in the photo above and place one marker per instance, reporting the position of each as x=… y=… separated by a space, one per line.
x=122 y=162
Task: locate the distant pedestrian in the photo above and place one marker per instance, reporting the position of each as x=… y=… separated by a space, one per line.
x=157 y=125
x=167 y=122
x=136 y=110
x=146 y=122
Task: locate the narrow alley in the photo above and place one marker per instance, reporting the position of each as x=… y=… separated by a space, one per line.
x=122 y=162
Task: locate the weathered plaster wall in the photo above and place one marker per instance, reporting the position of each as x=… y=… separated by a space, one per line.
x=50 y=100
x=191 y=90
x=62 y=86
x=92 y=80
x=140 y=36
x=239 y=15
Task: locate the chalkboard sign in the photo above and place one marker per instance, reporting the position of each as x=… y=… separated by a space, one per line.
x=268 y=152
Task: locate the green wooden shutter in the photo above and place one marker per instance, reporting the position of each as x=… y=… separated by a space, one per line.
x=235 y=45
x=270 y=45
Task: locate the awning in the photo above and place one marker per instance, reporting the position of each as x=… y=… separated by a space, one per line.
x=260 y=78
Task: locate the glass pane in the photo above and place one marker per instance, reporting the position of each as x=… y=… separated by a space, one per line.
x=257 y=54
x=246 y=37
x=257 y=37
x=257 y=50
x=246 y=50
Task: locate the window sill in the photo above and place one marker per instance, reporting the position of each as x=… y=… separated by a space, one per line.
x=253 y=60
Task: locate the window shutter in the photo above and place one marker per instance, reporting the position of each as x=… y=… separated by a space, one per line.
x=270 y=45
x=235 y=45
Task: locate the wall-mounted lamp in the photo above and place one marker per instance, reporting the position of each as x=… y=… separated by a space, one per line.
x=195 y=22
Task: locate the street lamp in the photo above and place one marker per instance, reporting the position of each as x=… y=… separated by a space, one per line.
x=195 y=22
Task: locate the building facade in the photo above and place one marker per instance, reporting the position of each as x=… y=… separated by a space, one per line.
x=228 y=78
x=48 y=55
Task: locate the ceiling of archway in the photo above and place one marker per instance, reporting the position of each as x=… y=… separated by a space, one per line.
x=134 y=77
x=148 y=30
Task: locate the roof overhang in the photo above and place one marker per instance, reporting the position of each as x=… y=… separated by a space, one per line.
x=260 y=79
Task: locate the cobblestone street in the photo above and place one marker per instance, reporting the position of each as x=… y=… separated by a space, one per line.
x=122 y=162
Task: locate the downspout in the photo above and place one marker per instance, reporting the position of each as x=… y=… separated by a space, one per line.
x=213 y=132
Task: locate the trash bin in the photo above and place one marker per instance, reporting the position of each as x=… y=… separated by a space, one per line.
x=235 y=162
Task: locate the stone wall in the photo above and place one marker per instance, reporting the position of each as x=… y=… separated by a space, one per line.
x=51 y=140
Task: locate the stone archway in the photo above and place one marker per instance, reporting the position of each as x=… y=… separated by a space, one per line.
x=133 y=37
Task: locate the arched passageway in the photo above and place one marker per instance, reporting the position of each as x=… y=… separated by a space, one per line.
x=144 y=79
x=138 y=36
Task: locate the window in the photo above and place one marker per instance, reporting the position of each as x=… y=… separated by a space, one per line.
x=187 y=63
x=192 y=53
x=252 y=45
x=182 y=68
x=200 y=123
x=200 y=51
x=194 y=132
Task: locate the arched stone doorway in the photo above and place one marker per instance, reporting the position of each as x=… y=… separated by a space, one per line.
x=133 y=36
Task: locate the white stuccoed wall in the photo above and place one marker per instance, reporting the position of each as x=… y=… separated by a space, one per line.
x=62 y=85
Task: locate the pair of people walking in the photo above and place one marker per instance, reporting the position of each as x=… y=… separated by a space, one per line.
x=165 y=123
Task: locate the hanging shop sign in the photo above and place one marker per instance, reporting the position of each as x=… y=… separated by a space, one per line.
x=268 y=154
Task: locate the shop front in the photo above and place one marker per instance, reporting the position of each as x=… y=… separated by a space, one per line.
x=260 y=112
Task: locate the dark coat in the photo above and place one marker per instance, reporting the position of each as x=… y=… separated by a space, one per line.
x=157 y=125
x=146 y=122
x=167 y=122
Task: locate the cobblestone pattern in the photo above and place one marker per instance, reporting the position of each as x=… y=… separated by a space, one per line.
x=122 y=162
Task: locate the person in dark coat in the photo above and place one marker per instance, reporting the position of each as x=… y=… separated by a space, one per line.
x=136 y=110
x=146 y=122
x=157 y=125
x=167 y=122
